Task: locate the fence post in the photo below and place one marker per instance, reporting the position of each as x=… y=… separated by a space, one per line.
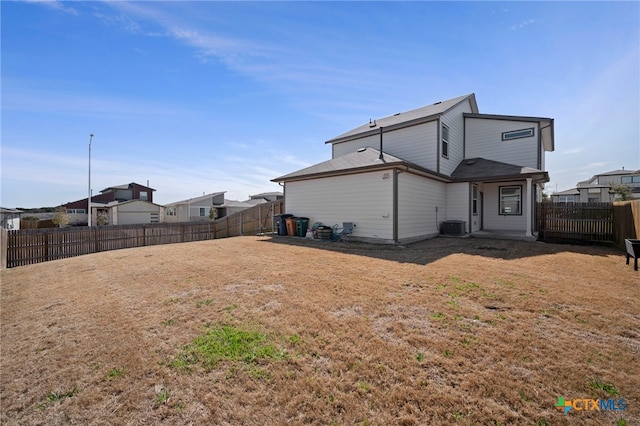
x=4 y=252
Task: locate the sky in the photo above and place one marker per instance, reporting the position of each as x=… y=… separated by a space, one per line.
x=200 y=97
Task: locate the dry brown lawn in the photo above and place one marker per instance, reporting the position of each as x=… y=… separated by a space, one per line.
x=445 y=331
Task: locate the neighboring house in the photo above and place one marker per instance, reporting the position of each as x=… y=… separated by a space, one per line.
x=77 y=210
x=267 y=196
x=399 y=178
x=126 y=212
x=194 y=209
x=10 y=218
x=599 y=187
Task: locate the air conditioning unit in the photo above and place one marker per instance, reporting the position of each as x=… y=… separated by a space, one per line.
x=453 y=227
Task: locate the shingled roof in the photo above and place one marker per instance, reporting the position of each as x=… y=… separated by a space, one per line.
x=411 y=117
x=481 y=169
x=364 y=158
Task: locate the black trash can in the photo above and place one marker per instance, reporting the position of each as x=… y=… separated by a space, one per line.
x=281 y=225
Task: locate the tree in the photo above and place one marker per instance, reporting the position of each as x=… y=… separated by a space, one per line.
x=621 y=192
x=60 y=217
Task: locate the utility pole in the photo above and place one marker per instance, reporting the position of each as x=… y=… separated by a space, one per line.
x=89 y=197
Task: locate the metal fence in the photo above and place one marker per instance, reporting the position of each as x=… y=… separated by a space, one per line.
x=29 y=246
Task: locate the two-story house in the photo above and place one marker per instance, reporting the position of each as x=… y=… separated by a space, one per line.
x=599 y=188
x=400 y=177
x=109 y=206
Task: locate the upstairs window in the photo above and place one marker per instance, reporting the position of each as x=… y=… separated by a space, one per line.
x=143 y=195
x=510 y=200
x=517 y=134
x=630 y=179
x=445 y=141
x=202 y=211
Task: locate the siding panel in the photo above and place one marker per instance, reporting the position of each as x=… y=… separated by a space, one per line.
x=493 y=221
x=417 y=144
x=418 y=199
x=455 y=121
x=365 y=199
x=458 y=202
x=484 y=139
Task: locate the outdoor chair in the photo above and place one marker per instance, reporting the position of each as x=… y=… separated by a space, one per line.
x=345 y=231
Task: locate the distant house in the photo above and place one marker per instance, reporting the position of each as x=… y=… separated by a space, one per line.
x=10 y=218
x=267 y=196
x=599 y=187
x=127 y=212
x=77 y=210
x=403 y=177
x=194 y=209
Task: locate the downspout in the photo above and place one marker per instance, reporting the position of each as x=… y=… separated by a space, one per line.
x=438 y=146
x=540 y=146
x=395 y=207
x=396 y=186
x=284 y=196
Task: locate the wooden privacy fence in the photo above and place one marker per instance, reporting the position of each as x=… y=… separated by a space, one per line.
x=25 y=247
x=594 y=222
x=575 y=221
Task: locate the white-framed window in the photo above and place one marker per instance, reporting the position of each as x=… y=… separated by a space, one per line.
x=76 y=211
x=511 y=200
x=474 y=200
x=517 y=134
x=566 y=198
x=202 y=209
x=171 y=211
x=445 y=141
x=144 y=195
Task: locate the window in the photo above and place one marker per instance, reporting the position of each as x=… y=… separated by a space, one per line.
x=143 y=195
x=630 y=179
x=594 y=200
x=566 y=199
x=202 y=209
x=171 y=211
x=517 y=134
x=475 y=200
x=76 y=211
x=510 y=200
x=445 y=141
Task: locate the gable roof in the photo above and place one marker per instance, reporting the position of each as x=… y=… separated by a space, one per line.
x=481 y=169
x=126 y=186
x=402 y=119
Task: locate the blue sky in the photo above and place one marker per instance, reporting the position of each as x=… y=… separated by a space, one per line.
x=223 y=96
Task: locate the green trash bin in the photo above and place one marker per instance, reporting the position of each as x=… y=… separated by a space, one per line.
x=302 y=223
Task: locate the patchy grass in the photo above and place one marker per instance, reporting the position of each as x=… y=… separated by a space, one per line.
x=258 y=330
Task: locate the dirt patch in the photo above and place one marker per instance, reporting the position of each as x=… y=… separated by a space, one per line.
x=445 y=331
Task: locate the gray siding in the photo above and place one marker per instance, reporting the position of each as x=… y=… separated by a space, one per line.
x=365 y=199
x=454 y=120
x=458 y=202
x=493 y=221
x=416 y=144
x=421 y=206
x=484 y=139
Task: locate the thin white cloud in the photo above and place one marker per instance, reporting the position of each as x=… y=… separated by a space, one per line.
x=597 y=165
x=571 y=151
x=521 y=25
x=17 y=98
x=56 y=5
